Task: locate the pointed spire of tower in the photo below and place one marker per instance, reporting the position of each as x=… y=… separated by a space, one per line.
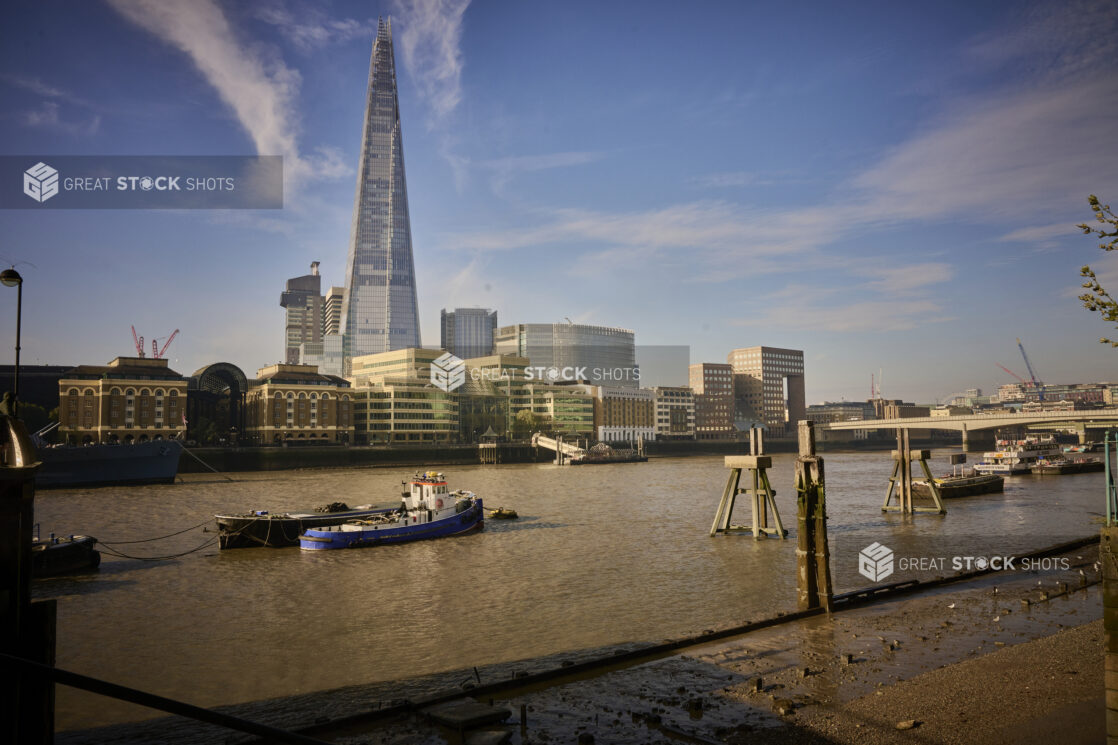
x=380 y=311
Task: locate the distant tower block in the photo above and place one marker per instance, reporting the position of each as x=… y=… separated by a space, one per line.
x=762 y=495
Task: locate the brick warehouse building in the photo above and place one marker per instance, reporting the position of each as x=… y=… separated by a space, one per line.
x=296 y=403
x=132 y=399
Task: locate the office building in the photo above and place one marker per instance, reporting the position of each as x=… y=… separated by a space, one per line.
x=768 y=389
x=302 y=299
x=598 y=355
x=396 y=402
x=533 y=405
x=379 y=308
x=675 y=413
x=713 y=385
x=624 y=414
x=468 y=332
x=332 y=311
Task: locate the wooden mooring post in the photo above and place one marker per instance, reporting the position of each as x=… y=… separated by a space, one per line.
x=762 y=495
x=813 y=554
x=1108 y=558
x=900 y=483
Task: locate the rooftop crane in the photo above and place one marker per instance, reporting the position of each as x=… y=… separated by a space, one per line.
x=156 y=352
x=139 y=343
x=1036 y=383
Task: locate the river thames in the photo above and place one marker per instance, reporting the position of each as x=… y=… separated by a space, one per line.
x=600 y=555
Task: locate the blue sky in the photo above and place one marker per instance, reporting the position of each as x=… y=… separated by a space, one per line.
x=886 y=186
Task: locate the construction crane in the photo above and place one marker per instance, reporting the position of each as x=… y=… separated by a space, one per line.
x=139 y=343
x=1036 y=383
x=1023 y=381
x=156 y=352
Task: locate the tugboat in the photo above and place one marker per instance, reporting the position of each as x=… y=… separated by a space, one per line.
x=429 y=510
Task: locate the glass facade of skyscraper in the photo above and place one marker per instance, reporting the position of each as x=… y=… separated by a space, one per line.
x=379 y=309
x=599 y=355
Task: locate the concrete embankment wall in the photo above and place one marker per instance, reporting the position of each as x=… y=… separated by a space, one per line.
x=283 y=458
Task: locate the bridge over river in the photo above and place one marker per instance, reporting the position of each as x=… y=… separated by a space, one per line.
x=966 y=423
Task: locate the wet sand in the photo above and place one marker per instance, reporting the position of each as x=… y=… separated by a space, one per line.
x=963 y=663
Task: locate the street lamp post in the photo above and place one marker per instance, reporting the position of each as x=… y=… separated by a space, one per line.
x=11 y=278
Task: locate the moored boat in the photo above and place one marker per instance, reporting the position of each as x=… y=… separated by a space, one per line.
x=150 y=462
x=61 y=555
x=1016 y=457
x=279 y=529
x=964 y=484
x=1061 y=466
x=429 y=510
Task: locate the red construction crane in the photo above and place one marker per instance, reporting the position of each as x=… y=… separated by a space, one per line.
x=139 y=343
x=156 y=352
x=1023 y=381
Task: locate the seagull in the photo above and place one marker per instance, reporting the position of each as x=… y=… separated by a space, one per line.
x=997 y=618
x=951 y=606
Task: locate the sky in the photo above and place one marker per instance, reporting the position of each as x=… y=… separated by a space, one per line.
x=892 y=188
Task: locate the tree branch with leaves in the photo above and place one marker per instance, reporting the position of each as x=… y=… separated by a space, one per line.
x=1097 y=299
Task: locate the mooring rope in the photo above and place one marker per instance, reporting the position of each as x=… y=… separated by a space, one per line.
x=122 y=555
x=157 y=538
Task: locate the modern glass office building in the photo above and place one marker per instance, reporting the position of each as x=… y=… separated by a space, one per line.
x=379 y=309
x=599 y=355
x=468 y=332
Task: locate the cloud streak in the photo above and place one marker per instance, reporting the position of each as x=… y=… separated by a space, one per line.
x=429 y=36
x=311 y=29
x=871 y=315
x=258 y=87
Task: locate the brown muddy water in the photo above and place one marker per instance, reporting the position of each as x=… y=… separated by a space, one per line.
x=599 y=556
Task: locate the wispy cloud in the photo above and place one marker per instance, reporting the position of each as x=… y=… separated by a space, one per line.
x=704 y=226
x=47 y=116
x=258 y=87
x=1043 y=236
x=1034 y=147
x=895 y=280
x=35 y=85
x=1053 y=40
x=504 y=170
x=726 y=180
x=308 y=28
x=1034 y=150
x=49 y=113
x=429 y=35
x=873 y=315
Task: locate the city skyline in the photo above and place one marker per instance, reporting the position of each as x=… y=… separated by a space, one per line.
x=886 y=188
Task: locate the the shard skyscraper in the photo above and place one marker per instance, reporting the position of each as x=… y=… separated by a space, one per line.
x=379 y=311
